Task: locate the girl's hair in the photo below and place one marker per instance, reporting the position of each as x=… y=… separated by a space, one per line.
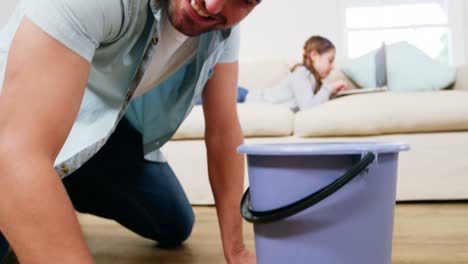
x=319 y=44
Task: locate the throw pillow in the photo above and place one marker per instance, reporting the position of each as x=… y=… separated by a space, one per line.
x=362 y=70
x=408 y=69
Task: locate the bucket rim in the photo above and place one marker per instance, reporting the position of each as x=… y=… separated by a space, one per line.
x=321 y=148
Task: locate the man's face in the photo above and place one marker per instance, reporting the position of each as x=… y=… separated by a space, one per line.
x=194 y=17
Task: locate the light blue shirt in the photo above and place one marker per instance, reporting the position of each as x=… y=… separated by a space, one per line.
x=114 y=36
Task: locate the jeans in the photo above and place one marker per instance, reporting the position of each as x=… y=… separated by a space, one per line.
x=3 y=247
x=143 y=196
x=242 y=94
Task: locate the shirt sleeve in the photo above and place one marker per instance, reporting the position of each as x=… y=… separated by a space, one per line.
x=303 y=86
x=80 y=25
x=231 y=48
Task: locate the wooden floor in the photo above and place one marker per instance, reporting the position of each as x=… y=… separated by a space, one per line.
x=424 y=234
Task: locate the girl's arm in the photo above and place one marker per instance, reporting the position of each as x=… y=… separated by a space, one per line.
x=303 y=86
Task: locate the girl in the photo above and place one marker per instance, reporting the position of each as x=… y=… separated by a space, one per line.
x=303 y=88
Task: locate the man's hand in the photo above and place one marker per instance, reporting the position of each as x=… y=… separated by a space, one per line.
x=223 y=135
x=243 y=256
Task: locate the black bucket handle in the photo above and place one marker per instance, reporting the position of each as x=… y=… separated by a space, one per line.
x=307 y=202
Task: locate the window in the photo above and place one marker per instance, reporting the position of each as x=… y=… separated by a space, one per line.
x=423 y=23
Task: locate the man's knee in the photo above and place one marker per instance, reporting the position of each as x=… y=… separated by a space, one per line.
x=177 y=230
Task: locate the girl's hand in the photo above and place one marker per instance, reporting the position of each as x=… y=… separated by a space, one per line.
x=338 y=86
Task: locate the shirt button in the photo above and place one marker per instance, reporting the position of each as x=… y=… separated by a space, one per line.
x=155 y=40
x=64 y=169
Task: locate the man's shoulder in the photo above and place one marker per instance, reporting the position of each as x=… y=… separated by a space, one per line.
x=230 y=47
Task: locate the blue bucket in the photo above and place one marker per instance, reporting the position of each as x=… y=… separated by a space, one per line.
x=327 y=203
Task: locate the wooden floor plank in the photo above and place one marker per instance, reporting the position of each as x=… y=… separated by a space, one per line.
x=424 y=234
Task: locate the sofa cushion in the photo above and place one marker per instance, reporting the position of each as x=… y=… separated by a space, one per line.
x=257 y=120
x=385 y=113
x=408 y=69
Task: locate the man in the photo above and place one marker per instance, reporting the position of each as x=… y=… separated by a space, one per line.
x=68 y=72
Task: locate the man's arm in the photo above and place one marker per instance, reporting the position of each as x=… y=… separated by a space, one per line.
x=42 y=92
x=223 y=135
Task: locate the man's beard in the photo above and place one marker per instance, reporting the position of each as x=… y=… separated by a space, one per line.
x=181 y=21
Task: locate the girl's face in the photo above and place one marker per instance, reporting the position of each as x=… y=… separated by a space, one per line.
x=323 y=63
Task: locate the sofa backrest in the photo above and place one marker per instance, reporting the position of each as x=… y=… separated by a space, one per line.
x=461 y=82
x=267 y=74
x=262 y=74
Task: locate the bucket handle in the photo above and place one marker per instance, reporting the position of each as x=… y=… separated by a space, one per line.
x=307 y=202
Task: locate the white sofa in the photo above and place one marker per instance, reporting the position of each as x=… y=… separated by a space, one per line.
x=434 y=124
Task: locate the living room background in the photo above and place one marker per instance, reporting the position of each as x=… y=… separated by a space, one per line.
x=277 y=29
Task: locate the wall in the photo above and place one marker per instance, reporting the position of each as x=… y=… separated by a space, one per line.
x=6 y=8
x=277 y=29
x=465 y=27
x=458 y=18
